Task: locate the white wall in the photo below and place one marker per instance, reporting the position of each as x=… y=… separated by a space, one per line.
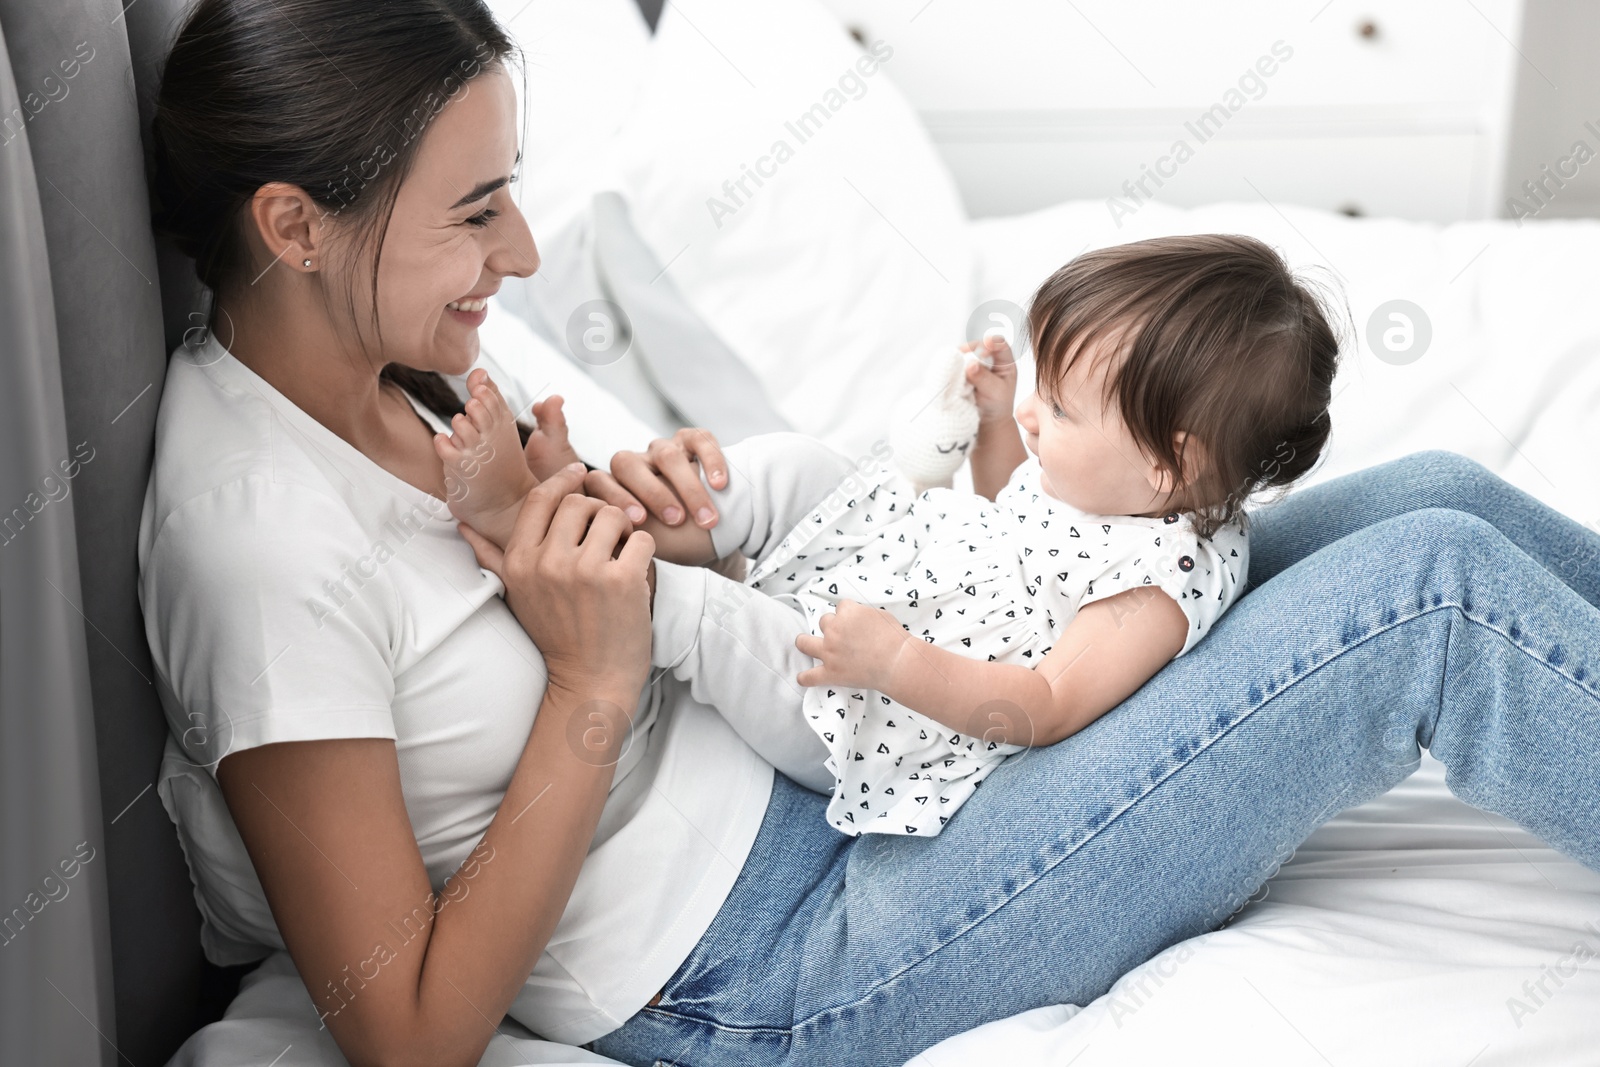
x=1036 y=101
x=1558 y=92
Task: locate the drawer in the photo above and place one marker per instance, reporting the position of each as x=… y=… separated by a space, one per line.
x=1010 y=54
x=1438 y=177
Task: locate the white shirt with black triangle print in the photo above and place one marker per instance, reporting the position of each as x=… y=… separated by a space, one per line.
x=996 y=581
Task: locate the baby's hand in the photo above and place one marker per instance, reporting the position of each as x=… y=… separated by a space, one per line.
x=857 y=648
x=993 y=377
x=486 y=477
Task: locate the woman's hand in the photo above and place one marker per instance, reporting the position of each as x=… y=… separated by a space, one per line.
x=858 y=648
x=665 y=479
x=548 y=449
x=994 y=377
x=585 y=604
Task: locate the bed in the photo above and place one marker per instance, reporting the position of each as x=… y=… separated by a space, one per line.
x=1413 y=929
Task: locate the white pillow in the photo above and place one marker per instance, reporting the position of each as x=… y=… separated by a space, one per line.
x=848 y=264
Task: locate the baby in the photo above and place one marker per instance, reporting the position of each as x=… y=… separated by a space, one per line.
x=1175 y=377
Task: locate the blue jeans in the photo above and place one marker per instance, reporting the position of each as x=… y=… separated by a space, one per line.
x=1420 y=603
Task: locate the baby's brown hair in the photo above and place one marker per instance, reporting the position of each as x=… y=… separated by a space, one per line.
x=1222 y=341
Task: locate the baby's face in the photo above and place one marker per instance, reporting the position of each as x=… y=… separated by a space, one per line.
x=1087 y=456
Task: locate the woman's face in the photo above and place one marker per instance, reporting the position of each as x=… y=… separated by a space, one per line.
x=455 y=232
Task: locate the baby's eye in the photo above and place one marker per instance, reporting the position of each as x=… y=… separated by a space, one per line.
x=483 y=217
x=1055 y=409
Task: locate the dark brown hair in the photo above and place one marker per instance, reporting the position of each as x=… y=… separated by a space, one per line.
x=1222 y=341
x=332 y=96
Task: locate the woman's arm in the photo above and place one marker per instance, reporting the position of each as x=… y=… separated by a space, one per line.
x=402 y=975
x=398 y=974
x=1109 y=649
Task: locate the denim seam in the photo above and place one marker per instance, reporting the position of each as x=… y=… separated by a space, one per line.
x=1516 y=643
x=784 y=1032
x=882 y=985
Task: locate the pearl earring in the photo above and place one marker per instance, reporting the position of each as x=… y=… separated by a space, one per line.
x=306 y=263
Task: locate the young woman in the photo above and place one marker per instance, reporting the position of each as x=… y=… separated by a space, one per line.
x=446 y=816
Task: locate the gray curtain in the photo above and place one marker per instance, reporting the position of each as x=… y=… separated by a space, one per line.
x=53 y=972
x=101 y=961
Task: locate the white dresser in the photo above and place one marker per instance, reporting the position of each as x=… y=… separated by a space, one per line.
x=1399 y=107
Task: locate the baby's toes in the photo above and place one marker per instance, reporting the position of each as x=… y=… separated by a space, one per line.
x=466 y=432
x=488 y=424
x=489 y=389
x=445 y=447
x=487 y=409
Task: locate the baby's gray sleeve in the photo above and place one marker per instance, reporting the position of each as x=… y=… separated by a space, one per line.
x=774 y=481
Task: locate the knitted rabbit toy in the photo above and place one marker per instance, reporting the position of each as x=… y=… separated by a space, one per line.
x=935 y=424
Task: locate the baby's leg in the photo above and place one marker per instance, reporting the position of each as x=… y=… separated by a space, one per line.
x=735 y=647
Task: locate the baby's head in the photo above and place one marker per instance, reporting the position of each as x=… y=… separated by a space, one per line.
x=1177 y=374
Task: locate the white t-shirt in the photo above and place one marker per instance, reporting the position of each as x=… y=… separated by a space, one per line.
x=294 y=590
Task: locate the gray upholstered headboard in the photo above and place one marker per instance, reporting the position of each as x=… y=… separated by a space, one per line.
x=99 y=950
x=80 y=726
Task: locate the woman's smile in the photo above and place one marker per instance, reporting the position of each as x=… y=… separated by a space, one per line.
x=470 y=319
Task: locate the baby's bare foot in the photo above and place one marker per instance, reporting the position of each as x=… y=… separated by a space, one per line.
x=486 y=476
